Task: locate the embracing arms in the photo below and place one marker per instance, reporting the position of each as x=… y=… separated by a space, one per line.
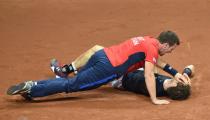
x=167 y=68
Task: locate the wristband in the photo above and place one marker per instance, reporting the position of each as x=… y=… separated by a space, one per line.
x=188 y=71
x=170 y=70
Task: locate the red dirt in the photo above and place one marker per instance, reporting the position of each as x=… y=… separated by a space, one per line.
x=34 y=31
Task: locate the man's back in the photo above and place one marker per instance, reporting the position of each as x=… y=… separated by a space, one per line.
x=133 y=51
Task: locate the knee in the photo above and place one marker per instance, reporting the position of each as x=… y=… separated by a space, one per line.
x=72 y=85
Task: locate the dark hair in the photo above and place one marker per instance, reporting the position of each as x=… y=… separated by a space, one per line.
x=169 y=37
x=180 y=92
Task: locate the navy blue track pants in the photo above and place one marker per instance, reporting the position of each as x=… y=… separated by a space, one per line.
x=98 y=71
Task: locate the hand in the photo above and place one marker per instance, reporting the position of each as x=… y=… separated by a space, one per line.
x=187 y=77
x=160 y=102
x=183 y=79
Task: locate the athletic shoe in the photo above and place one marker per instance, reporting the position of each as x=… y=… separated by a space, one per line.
x=27 y=96
x=57 y=69
x=189 y=70
x=21 y=88
x=117 y=84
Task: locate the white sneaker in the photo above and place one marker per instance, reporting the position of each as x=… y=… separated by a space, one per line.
x=21 y=88
x=117 y=84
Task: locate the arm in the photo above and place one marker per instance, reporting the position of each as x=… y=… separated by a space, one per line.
x=151 y=84
x=161 y=64
x=167 y=68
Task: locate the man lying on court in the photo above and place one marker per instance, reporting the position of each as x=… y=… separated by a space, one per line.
x=165 y=86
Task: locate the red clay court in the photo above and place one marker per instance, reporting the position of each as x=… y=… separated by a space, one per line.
x=34 y=31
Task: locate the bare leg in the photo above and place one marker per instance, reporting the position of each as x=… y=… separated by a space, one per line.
x=83 y=58
x=63 y=71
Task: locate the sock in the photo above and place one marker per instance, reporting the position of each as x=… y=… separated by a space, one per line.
x=75 y=69
x=68 y=69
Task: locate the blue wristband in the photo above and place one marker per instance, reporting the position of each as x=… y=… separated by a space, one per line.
x=170 y=70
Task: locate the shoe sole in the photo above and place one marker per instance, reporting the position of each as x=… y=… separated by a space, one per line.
x=53 y=64
x=16 y=89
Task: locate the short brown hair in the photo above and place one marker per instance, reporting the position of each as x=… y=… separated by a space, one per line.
x=180 y=92
x=169 y=37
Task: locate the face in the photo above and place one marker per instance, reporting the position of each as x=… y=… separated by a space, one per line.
x=165 y=48
x=171 y=83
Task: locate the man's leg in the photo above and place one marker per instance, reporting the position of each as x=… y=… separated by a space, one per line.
x=63 y=71
x=100 y=73
x=83 y=59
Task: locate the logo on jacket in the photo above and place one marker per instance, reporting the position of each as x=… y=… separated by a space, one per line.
x=154 y=60
x=137 y=40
